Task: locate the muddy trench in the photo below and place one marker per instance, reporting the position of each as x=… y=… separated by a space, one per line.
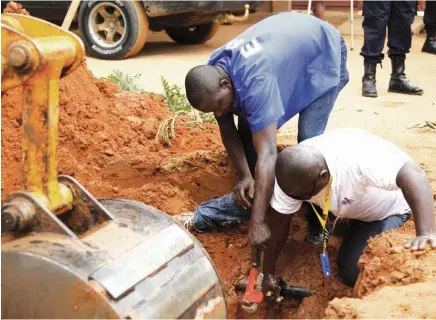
x=184 y=182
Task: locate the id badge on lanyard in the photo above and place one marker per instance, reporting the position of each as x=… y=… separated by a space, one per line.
x=324 y=255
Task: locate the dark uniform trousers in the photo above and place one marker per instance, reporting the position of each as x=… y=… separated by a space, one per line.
x=398 y=17
x=430 y=15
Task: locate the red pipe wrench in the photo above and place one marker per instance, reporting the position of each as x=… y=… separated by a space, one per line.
x=253 y=292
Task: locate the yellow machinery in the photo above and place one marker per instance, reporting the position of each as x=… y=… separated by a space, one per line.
x=65 y=254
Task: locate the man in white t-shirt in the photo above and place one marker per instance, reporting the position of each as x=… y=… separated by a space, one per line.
x=373 y=184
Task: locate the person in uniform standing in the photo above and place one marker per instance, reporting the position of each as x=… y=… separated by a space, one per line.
x=398 y=17
x=430 y=27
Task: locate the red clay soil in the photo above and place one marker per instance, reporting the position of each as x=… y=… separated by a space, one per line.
x=13 y=7
x=107 y=140
x=393 y=283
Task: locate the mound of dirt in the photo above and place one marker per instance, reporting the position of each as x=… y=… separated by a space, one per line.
x=393 y=283
x=13 y=7
x=386 y=262
x=414 y=301
x=107 y=141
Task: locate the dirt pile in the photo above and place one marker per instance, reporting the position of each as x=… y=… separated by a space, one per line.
x=414 y=301
x=393 y=283
x=107 y=141
x=13 y=7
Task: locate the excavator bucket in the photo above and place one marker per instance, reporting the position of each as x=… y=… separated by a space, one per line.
x=66 y=254
x=140 y=265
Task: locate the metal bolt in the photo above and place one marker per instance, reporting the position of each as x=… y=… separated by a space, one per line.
x=18 y=57
x=16 y=214
x=9 y=220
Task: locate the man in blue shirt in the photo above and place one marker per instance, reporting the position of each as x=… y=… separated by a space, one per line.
x=285 y=65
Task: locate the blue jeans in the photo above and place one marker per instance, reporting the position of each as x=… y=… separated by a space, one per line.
x=219 y=212
x=313 y=119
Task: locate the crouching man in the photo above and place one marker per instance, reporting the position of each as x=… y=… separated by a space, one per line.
x=356 y=176
x=350 y=173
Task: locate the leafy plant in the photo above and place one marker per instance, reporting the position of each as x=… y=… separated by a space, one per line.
x=126 y=81
x=178 y=102
x=175 y=98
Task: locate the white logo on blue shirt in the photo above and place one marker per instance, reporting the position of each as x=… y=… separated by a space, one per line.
x=251 y=48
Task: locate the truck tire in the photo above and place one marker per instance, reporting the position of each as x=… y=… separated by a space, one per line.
x=113 y=29
x=193 y=35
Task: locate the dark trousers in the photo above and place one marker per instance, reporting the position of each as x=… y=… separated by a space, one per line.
x=398 y=17
x=430 y=16
x=355 y=240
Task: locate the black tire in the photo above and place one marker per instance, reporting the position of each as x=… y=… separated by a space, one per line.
x=193 y=35
x=132 y=20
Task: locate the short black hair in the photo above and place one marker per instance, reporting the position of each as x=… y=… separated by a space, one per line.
x=296 y=164
x=201 y=81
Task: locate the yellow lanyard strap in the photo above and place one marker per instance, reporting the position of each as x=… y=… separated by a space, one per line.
x=325 y=209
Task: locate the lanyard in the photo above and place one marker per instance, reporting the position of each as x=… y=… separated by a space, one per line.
x=325 y=211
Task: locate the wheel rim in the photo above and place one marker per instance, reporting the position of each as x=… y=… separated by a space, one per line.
x=107 y=24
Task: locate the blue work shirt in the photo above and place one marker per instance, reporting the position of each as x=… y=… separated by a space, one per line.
x=279 y=66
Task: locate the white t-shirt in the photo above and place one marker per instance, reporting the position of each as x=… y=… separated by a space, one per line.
x=363 y=168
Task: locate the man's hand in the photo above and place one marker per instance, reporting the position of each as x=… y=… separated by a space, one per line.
x=420 y=242
x=413 y=182
x=259 y=235
x=271 y=289
x=245 y=185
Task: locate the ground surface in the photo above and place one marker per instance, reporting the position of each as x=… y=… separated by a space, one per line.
x=107 y=142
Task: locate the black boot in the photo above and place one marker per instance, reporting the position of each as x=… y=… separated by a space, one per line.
x=368 y=81
x=399 y=82
x=430 y=42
